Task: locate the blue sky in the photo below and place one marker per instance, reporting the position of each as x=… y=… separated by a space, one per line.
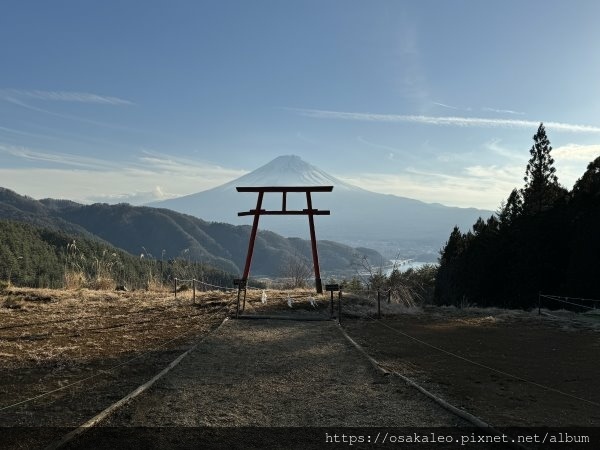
x=435 y=100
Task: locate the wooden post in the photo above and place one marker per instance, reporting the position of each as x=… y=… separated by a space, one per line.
x=331 y=316
x=175 y=287
x=194 y=290
x=241 y=284
x=389 y=296
x=539 y=303
x=378 y=304
x=331 y=288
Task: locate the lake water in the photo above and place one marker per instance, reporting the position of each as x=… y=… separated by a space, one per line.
x=404 y=264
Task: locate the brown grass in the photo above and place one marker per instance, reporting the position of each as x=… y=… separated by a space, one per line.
x=50 y=338
x=75 y=279
x=78 y=324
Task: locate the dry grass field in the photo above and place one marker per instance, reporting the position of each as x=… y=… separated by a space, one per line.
x=88 y=340
x=82 y=350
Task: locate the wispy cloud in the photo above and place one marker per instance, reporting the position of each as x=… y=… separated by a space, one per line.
x=64 y=96
x=509 y=175
x=502 y=111
x=388 y=148
x=478 y=185
x=444 y=120
x=22 y=104
x=409 y=76
x=461 y=190
x=162 y=163
x=302 y=137
x=24 y=133
x=135 y=198
x=472 y=186
x=443 y=105
x=495 y=145
x=61 y=159
x=576 y=152
x=147 y=176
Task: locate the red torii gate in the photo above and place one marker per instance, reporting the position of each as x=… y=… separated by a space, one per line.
x=309 y=211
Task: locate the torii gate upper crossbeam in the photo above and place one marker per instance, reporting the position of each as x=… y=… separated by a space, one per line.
x=309 y=211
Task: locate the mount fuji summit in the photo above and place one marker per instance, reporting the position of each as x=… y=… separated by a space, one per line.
x=391 y=224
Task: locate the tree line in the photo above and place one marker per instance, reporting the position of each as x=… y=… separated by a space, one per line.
x=544 y=238
x=38 y=257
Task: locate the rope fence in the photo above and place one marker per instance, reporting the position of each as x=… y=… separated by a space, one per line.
x=568 y=301
x=574 y=301
x=484 y=366
x=110 y=369
x=380 y=293
x=195 y=283
x=316 y=301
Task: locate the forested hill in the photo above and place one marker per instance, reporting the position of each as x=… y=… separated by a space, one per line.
x=544 y=239
x=40 y=257
x=162 y=234
x=25 y=209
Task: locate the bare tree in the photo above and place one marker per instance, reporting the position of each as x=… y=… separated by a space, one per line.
x=296 y=269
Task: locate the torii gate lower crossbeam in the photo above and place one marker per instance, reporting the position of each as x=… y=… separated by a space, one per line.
x=310 y=212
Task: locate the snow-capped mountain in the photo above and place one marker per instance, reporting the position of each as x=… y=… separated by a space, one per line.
x=288 y=170
x=388 y=223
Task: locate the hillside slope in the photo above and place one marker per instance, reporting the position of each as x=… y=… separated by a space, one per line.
x=164 y=234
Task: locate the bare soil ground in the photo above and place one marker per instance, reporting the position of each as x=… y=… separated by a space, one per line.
x=560 y=352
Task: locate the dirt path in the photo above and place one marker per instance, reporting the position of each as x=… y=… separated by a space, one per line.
x=279 y=373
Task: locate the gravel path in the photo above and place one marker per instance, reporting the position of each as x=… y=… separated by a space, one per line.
x=279 y=373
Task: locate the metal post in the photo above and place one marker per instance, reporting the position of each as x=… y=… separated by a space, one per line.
x=253 y=236
x=340 y=307
x=237 y=311
x=194 y=290
x=244 y=307
x=175 y=287
x=539 y=303
x=313 y=242
x=378 y=304
x=389 y=296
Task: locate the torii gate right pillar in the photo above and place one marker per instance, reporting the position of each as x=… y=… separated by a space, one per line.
x=313 y=243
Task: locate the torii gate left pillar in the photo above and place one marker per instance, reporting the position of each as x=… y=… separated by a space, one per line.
x=309 y=211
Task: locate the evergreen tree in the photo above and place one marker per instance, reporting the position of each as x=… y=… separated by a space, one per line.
x=584 y=243
x=479 y=227
x=512 y=209
x=538 y=241
x=449 y=283
x=588 y=186
x=454 y=246
x=493 y=224
x=541 y=183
